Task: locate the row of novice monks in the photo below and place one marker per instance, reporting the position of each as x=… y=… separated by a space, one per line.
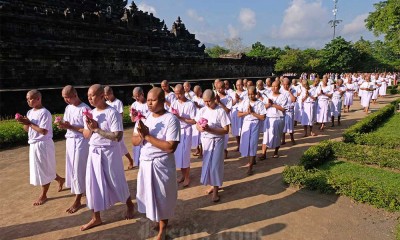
x=168 y=125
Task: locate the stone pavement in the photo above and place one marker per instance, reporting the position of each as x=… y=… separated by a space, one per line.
x=251 y=207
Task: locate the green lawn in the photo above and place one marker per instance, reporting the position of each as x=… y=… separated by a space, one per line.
x=391 y=128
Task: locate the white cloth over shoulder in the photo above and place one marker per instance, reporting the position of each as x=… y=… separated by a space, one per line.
x=105 y=177
x=117 y=104
x=157 y=189
x=42 y=160
x=212 y=172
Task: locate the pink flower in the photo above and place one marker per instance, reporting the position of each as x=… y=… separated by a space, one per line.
x=174 y=111
x=58 y=119
x=202 y=122
x=88 y=113
x=136 y=115
x=18 y=116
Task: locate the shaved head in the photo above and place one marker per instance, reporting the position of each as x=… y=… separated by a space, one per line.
x=178 y=87
x=97 y=88
x=251 y=89
x=137 y=90
x=164 y=82
x=196 y=88
x=108 y=89
x=34 y=93
x=186 y=84
x=68 y=90
x=209 y=94
x=286 y=80
x=158 y=93
x=276 y=84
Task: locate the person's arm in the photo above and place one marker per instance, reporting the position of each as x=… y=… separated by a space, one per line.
x=67 y=125
x=166 y=146
x=216 y=131
x=94 y=127
x=28 y=124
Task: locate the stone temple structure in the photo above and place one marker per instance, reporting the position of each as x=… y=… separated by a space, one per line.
x=46 y=43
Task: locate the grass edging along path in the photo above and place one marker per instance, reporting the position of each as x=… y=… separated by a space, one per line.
x=12 y=134
x=360 y=172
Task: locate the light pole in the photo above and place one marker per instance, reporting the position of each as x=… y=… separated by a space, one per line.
x=334 y=22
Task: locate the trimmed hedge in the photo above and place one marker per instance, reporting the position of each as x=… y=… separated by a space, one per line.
x=364 y=184
x=370 y=123
x=12 y=134
x=389 y=158
x=317 y=155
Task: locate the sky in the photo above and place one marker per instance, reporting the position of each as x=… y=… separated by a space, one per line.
x=297 y=23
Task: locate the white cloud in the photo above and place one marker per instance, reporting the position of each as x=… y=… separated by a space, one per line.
x=247 y=18
x=356 y=26
x=233 y=32
x=304 y=20
x=147 y=8
x=193 y=15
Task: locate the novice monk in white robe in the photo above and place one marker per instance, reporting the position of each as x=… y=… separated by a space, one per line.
x=157 y=189
x=275 y=106
x=186 y=114
x=237 y=97
x=198 y=101
x=42 y=160
x=189 y=94
x=289 y=93
x=253 y=112
x=349 y=94
x=308 y=97
x=77 y=147
x=368 y=88
x=119 y=106
x=169 y=95
x=105 y=177
x=336 y=103
x=212 y=137
x=225 y=102
x=139 y=105
x=324 y=94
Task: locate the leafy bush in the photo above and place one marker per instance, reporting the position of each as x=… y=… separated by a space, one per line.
x=389 y=158
x=393 y=91
x=317 y=154
x=377 y=187
x=370 y=123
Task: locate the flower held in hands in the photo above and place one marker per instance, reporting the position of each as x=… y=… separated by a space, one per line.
x=203 y=122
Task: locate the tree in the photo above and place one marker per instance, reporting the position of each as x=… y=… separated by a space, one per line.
x=216 y=51
x=386 y=20
x=261 y=51
x=337 y=56
x=291 y=61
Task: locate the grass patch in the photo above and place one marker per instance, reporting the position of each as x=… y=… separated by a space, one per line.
x=364 y=184
x=368 y=155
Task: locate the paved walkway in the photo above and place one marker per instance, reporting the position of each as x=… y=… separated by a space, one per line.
x=255 y=207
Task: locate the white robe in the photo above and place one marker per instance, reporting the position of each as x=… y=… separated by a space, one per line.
x=336 y=103
x=42 y=160
x=105 y=176
x=309 y=105
x=77 y=150
x=349 y=94
x=196 y=135
x=236 y=121
x=144 y=109
x=212 y=172
x=250 y=128
x=323 y=113
x=274 y=122
x=182 y=154
x=367 y=95
x=289 y=113
x=119 y=106
x=157 y=190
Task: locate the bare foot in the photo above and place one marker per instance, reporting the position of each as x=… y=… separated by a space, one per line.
x=215 y=198
x=93 y=223
x=180 y=180
x=129 y=211
x=61 y=184
x=313 y=134
x=186 y=183
x=130 y=167
x=210 y=190
x=247 y=165
x=74 y=208
x=41 y=200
